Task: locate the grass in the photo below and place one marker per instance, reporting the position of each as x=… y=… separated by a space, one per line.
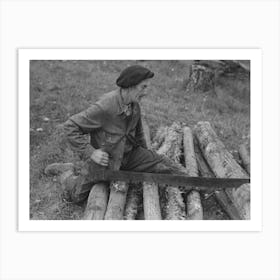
x=59 y=89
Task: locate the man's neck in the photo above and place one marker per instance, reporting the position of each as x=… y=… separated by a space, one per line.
x=125 y=96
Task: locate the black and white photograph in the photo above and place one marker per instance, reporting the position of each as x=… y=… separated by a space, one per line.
x=140 y=139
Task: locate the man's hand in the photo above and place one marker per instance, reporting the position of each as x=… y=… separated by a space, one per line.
x=100 y=157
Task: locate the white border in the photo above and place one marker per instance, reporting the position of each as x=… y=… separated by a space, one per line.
x=24 y=57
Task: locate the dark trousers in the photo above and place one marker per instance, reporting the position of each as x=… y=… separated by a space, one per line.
x=139 y=160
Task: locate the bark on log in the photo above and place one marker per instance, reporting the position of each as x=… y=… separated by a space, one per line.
x=151 y=203
x=220 y=195
x=171 y=147
x=159 y=137
x=97 y=202
x=117 y=200
x=194 y=207
x=224 y=166
x=132 y=201
x=245 y=157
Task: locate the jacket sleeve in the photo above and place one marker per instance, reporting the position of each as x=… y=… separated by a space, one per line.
x=140 y=135
x=80 y=124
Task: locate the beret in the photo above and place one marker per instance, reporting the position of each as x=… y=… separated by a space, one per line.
x=133 y=75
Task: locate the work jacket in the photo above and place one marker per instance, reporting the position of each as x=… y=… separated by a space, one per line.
x=109 y=129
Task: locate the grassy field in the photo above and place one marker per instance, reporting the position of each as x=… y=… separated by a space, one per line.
x=59 y=89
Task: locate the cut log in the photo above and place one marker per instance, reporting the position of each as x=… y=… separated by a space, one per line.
x=151 y=203
x=97 y=202
x=245 y=157
x=194 y=207
x=117 y=200
x=223 y=165
x=132 y=201
x=171 y=148
x=220 y=195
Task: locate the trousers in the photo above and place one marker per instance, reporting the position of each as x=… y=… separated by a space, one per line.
x=138 y=159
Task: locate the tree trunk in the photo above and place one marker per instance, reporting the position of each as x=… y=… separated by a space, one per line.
x=245 y=157
x=150 y=191
x=194 y=207
x=220 y=195
x=97 y=202
x=171 y=147
x=224 y=166
x=117 y=199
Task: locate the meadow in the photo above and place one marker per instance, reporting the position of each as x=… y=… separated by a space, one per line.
x=59 y=89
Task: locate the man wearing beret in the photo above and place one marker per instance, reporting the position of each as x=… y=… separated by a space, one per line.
x=116 y=134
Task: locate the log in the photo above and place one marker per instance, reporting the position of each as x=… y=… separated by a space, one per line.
x=117 y=200
x=194 y=207
x=223 y=165
x=151 y=203
x=97 y=202
x=134 y=195
x=220 y=195
x=245 y=157
x=171 y=147
x=132 y=202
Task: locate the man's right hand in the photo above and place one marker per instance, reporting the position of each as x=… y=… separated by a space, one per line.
x=100 y=157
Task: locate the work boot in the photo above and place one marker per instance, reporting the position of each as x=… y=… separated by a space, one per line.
x=67 y=181
x=65 y=171
x=57 y=168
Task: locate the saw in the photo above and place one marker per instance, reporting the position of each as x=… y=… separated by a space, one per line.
x=168 y=179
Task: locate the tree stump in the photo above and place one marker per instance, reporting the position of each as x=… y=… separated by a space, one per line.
x=194 y=207
x=201 y=79
x=223 y=165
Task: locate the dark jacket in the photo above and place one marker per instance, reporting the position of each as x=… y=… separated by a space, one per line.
x=109 y=128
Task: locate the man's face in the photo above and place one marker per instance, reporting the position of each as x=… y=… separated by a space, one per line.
x=141 y=89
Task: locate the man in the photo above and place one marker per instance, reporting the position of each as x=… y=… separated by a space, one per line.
x=116 y=134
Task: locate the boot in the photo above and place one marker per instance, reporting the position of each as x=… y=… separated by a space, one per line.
x=58 y=168
x=65 y=171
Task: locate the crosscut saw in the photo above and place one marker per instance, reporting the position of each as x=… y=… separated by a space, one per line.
x=200 y=183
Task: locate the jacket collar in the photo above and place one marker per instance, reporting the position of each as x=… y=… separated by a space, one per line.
x=123 y=107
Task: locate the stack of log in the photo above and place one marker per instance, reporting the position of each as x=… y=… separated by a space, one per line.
x=200 y=153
